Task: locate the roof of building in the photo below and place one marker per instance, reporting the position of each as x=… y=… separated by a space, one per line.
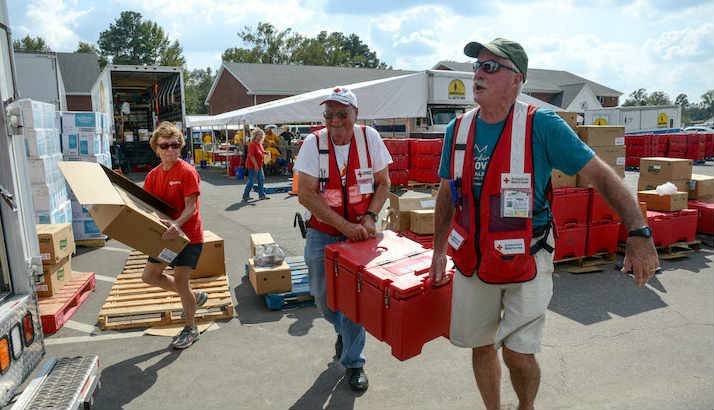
x=545 y=81
x=79 y=71
x=284 y=79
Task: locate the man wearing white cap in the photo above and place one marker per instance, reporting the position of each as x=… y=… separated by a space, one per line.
x=344 y=182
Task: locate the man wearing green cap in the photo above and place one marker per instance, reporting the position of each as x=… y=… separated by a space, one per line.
x=493 y=212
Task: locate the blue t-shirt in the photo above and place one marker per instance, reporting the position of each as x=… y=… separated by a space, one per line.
x=555 y=146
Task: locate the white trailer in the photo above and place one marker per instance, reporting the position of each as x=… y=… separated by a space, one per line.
x=39 y=78
x=637 y=118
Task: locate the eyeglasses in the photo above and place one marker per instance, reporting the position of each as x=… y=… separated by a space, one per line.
x=339 y=114
x=491 y=66
x=167 y=145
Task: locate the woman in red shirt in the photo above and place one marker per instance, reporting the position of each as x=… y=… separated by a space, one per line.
x=177 y=183
x=254 y=164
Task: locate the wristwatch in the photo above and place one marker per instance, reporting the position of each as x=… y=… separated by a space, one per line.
x=644 y=232
x=373 y=215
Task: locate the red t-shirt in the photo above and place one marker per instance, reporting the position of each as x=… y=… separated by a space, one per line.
x=173 y=186
x=256 y=151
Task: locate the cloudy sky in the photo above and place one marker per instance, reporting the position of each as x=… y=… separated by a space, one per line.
x=665 y=45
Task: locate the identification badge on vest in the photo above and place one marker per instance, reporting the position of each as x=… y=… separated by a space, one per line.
x=365 y=180
x=455 y=239
x=515 y=195
x=510 y=246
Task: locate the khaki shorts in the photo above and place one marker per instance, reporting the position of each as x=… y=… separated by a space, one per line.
x=512 y=315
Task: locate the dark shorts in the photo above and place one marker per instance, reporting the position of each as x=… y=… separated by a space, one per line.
x=187 y=257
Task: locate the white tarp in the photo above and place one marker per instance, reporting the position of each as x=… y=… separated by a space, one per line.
x=396 y=97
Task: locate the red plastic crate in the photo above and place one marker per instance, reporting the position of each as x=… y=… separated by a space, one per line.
x=397 y=304
x=705 y=219
x=399 y=161
x=425 y=161
x=397 y=146
x=570 y=242
x=684 y=225
x=570 y=206
x=425 y=146
x=632 y=161
x=346 y=261
x=427 y=176
x=661 y=225
x=602 y=238
x=399 y=177
x=600 y=211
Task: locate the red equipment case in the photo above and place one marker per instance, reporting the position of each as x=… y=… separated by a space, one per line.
x=570 y=206
x=705 y=221
x=397 y=146
x=684 y=225
x=602 y=238
x=600 y=211
x=570 y=242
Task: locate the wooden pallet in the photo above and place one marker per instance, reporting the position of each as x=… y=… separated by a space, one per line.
x=56 y=310
x=134 y=304
x=300 y=292
x=91 y=243
x=587 y=264
x=677 y=250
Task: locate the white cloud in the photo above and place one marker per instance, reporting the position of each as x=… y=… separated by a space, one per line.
x=55 y=21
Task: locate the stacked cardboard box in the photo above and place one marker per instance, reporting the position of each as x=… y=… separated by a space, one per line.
x=85 y=137
x=273 y=279
x=42 y=147
x=608 y=142
x=656 y=171
x=400 y=205
x=56 y=247
x=569 y=117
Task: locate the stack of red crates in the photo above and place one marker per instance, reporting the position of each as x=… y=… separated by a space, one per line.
x=705 y=220
x=570 y=216
x=603 y=226
x=424 y=159
x=662 y=144
x=677 y=146
x=709 y=145
x=696 y=146
x=383 y=283
x=399 y=168
x=638 y=146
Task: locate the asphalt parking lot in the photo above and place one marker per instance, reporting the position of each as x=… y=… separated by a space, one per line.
x=607 y=344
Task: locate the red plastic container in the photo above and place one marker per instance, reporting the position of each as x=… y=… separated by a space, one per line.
x=399 y=162
x=600 y=211
x=632 y=161
x=423 y=161
x=399 y=177
x=570 y=206
x=684 y=225
x=397 y=304
x=705 y=220
x=425 y=146
x=661 y=225
x=428 y=176
x=570 y=242
x=397 y=146
x=234 y=162
x=345 y=263
x=602 y=238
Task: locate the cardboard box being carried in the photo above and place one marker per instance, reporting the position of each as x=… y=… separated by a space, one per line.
x=421 y=221
x=401 y=203
x=602 y=135
x=122 y=209
x=259 y=239
x=657 y=202
x=275 y=279
x=56 y=242
x=665 y=169
x=54 y=277
x=561 y=180
x=702 y=188
x=212 y=261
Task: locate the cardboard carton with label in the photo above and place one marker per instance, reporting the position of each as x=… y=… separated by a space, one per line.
x=401 y=203
x=122 y=209
x=56 y=242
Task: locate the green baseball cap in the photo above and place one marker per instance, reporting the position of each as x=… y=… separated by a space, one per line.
x=504 y=49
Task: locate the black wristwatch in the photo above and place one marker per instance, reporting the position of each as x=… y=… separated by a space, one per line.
x=373 y=215
x=644 y=232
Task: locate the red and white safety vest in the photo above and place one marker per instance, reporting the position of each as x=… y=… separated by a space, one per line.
x=496 y=248
x=345 y=199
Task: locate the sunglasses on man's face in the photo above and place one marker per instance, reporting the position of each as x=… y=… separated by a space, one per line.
x=491 y=66
x=167 y=145
x=339 y=114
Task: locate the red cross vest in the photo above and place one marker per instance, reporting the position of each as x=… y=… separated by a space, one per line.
x=345 y=199
x=497 y=248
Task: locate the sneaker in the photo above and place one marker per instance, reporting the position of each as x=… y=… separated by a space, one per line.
x=186 y=338
x=201 y=298
x=357 y=379
x=338 y=348
x=245 y=200
x=264 y=197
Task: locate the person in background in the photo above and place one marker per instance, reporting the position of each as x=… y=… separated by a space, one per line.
x=254 y=164
x=349 y=166
x=492 y=211
x=177 y=183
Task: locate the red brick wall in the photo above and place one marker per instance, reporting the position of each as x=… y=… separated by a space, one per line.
x=79 y=103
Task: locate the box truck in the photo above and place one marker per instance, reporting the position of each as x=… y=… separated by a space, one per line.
x=638 y=118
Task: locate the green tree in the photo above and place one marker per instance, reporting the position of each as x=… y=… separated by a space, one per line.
x=32 y=44
x=637 y=97
x=658 y=98
x=682 y=100
x=198 y=84
x=266 y=44
x=708 y=102
x=90 y=48
x=133 y=40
